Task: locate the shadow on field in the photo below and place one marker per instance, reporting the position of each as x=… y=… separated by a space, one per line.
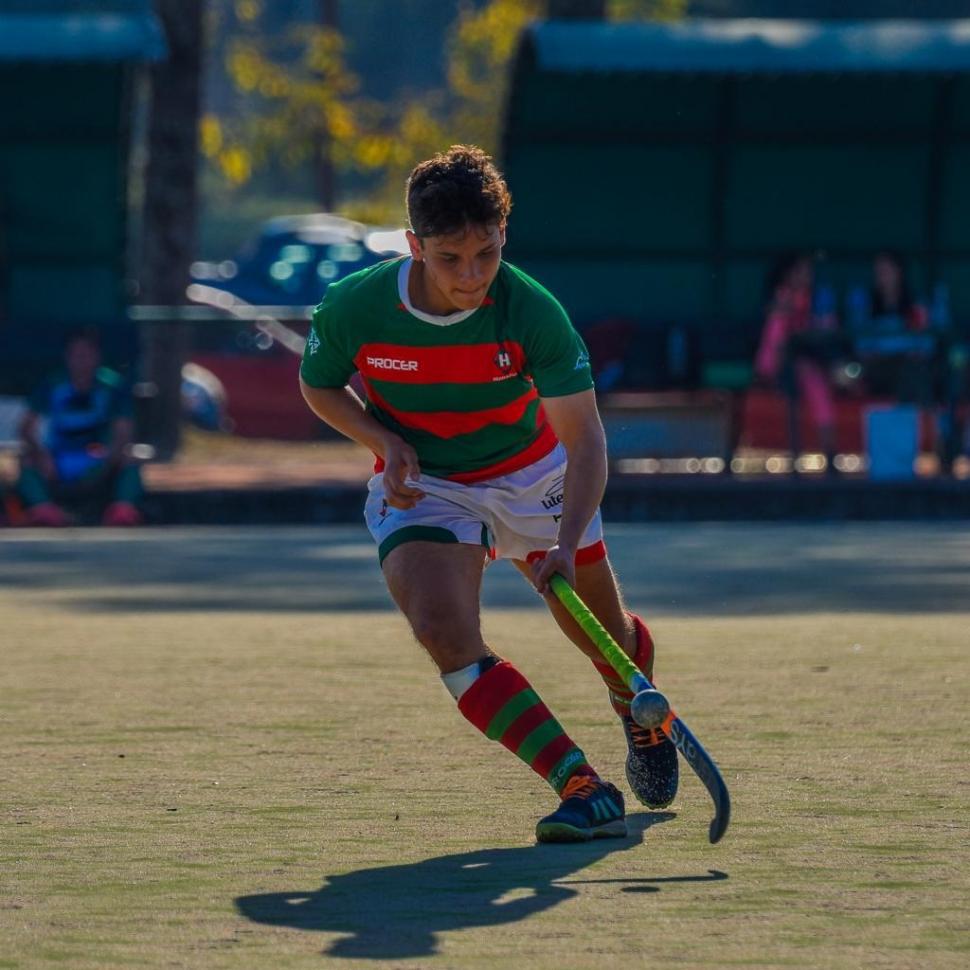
x=394 y=912
x=683 y=569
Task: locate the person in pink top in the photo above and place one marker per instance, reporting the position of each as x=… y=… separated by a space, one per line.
x=791 y=355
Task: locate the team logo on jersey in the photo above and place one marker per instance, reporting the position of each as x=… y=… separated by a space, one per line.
x=503 y=361
x=313 y=342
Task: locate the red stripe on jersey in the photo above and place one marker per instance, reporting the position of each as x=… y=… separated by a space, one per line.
x=450 y=424
x=539 y=448
x=454 y=364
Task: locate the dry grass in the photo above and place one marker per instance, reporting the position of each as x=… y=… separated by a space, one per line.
x=191 y=781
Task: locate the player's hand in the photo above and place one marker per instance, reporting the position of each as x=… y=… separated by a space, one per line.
x=559 y=559
x=401 y=470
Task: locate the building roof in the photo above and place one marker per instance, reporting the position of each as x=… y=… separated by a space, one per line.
x=752 y=46
x=79 y=30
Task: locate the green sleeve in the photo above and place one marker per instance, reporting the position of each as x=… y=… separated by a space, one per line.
x=327 y=360
x=555 y=353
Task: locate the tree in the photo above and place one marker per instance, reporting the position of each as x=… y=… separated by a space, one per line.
x=169 y=223
x=299 y=94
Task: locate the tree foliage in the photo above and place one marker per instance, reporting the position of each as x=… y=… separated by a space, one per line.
x=293 y=87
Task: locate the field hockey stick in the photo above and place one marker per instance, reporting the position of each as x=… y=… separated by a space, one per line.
x=649 y=707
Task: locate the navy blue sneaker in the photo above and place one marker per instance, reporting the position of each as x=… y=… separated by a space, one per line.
x=590 y=809
x=651 y=764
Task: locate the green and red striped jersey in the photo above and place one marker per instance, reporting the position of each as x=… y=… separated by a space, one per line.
x=464 y=390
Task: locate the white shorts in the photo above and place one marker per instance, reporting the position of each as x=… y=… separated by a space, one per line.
x=513 y=516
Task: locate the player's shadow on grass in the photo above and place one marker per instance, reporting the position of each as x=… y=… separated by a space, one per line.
x=393 y=912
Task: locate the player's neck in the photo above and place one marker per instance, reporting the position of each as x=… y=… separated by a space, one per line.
x=425 y=296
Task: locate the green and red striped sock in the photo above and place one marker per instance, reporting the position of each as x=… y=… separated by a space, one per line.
x=503 y=706
x=620 y=694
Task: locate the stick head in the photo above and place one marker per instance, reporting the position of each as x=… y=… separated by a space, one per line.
x=649 y=708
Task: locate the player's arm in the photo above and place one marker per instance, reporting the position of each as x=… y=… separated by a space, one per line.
x=576 y=421
x=344 y=411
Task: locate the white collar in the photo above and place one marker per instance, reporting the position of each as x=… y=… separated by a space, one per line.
x=403 y=275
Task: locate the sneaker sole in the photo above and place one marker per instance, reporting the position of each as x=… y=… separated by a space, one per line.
x=561 y=832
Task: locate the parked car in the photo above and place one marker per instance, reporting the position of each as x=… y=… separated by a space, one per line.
x=293 y=259
x=287 y=267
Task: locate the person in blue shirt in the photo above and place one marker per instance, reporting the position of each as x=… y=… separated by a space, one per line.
x=75 y=436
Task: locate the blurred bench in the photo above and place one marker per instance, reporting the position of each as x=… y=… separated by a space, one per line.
x=668 y=424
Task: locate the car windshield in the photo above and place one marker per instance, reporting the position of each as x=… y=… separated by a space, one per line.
x=292 y=266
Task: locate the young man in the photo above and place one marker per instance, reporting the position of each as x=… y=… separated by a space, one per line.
x=83 y=450
x=481 y=412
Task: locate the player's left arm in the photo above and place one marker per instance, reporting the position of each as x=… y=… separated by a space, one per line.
x=576 y=421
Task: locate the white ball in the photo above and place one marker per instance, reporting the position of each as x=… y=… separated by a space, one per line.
x=649 y=708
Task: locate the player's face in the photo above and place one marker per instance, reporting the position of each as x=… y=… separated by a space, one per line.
x=458 y=268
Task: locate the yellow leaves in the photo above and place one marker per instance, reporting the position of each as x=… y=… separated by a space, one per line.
x=374 y=151
x=210 y=135
x=297 y=92
x=246 y=66
x=646 y=9
x=248 y=10
x=482 y=45
x=231 y=159
x=235 y=165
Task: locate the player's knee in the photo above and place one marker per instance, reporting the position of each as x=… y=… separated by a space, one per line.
x=445 y=636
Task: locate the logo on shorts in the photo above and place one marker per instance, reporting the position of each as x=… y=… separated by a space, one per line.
x=554 y=493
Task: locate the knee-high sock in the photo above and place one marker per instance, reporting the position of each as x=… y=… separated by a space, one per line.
x=503 y=706
x=620 y=694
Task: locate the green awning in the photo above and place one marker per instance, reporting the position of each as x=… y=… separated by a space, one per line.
x=753 y=46
x=46 y=31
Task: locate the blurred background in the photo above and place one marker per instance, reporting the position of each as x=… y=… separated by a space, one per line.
x=756 y=213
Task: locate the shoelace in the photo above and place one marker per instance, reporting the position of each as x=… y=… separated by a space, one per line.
x=579 y=785
x=645 y=737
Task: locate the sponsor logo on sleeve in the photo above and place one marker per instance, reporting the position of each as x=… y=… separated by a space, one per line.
x=313 y=343
x=582 y=361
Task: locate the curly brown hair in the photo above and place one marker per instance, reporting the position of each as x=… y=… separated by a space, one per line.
x=456 y=188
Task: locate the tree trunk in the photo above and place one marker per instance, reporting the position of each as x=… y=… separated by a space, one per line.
x=170 y=211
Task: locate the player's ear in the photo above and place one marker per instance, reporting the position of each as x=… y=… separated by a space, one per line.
x=415 y=245
x=501 y=230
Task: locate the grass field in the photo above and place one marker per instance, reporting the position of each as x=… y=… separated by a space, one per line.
x=220 y=748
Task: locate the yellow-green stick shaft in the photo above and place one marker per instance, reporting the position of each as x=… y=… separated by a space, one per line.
x=595 y=630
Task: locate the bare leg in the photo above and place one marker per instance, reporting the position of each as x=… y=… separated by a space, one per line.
x=597 y=587
x=437 y=586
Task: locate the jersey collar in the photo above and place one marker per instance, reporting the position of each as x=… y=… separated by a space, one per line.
x=450 y=319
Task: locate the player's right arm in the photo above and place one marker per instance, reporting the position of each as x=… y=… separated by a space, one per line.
x=326 y=368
